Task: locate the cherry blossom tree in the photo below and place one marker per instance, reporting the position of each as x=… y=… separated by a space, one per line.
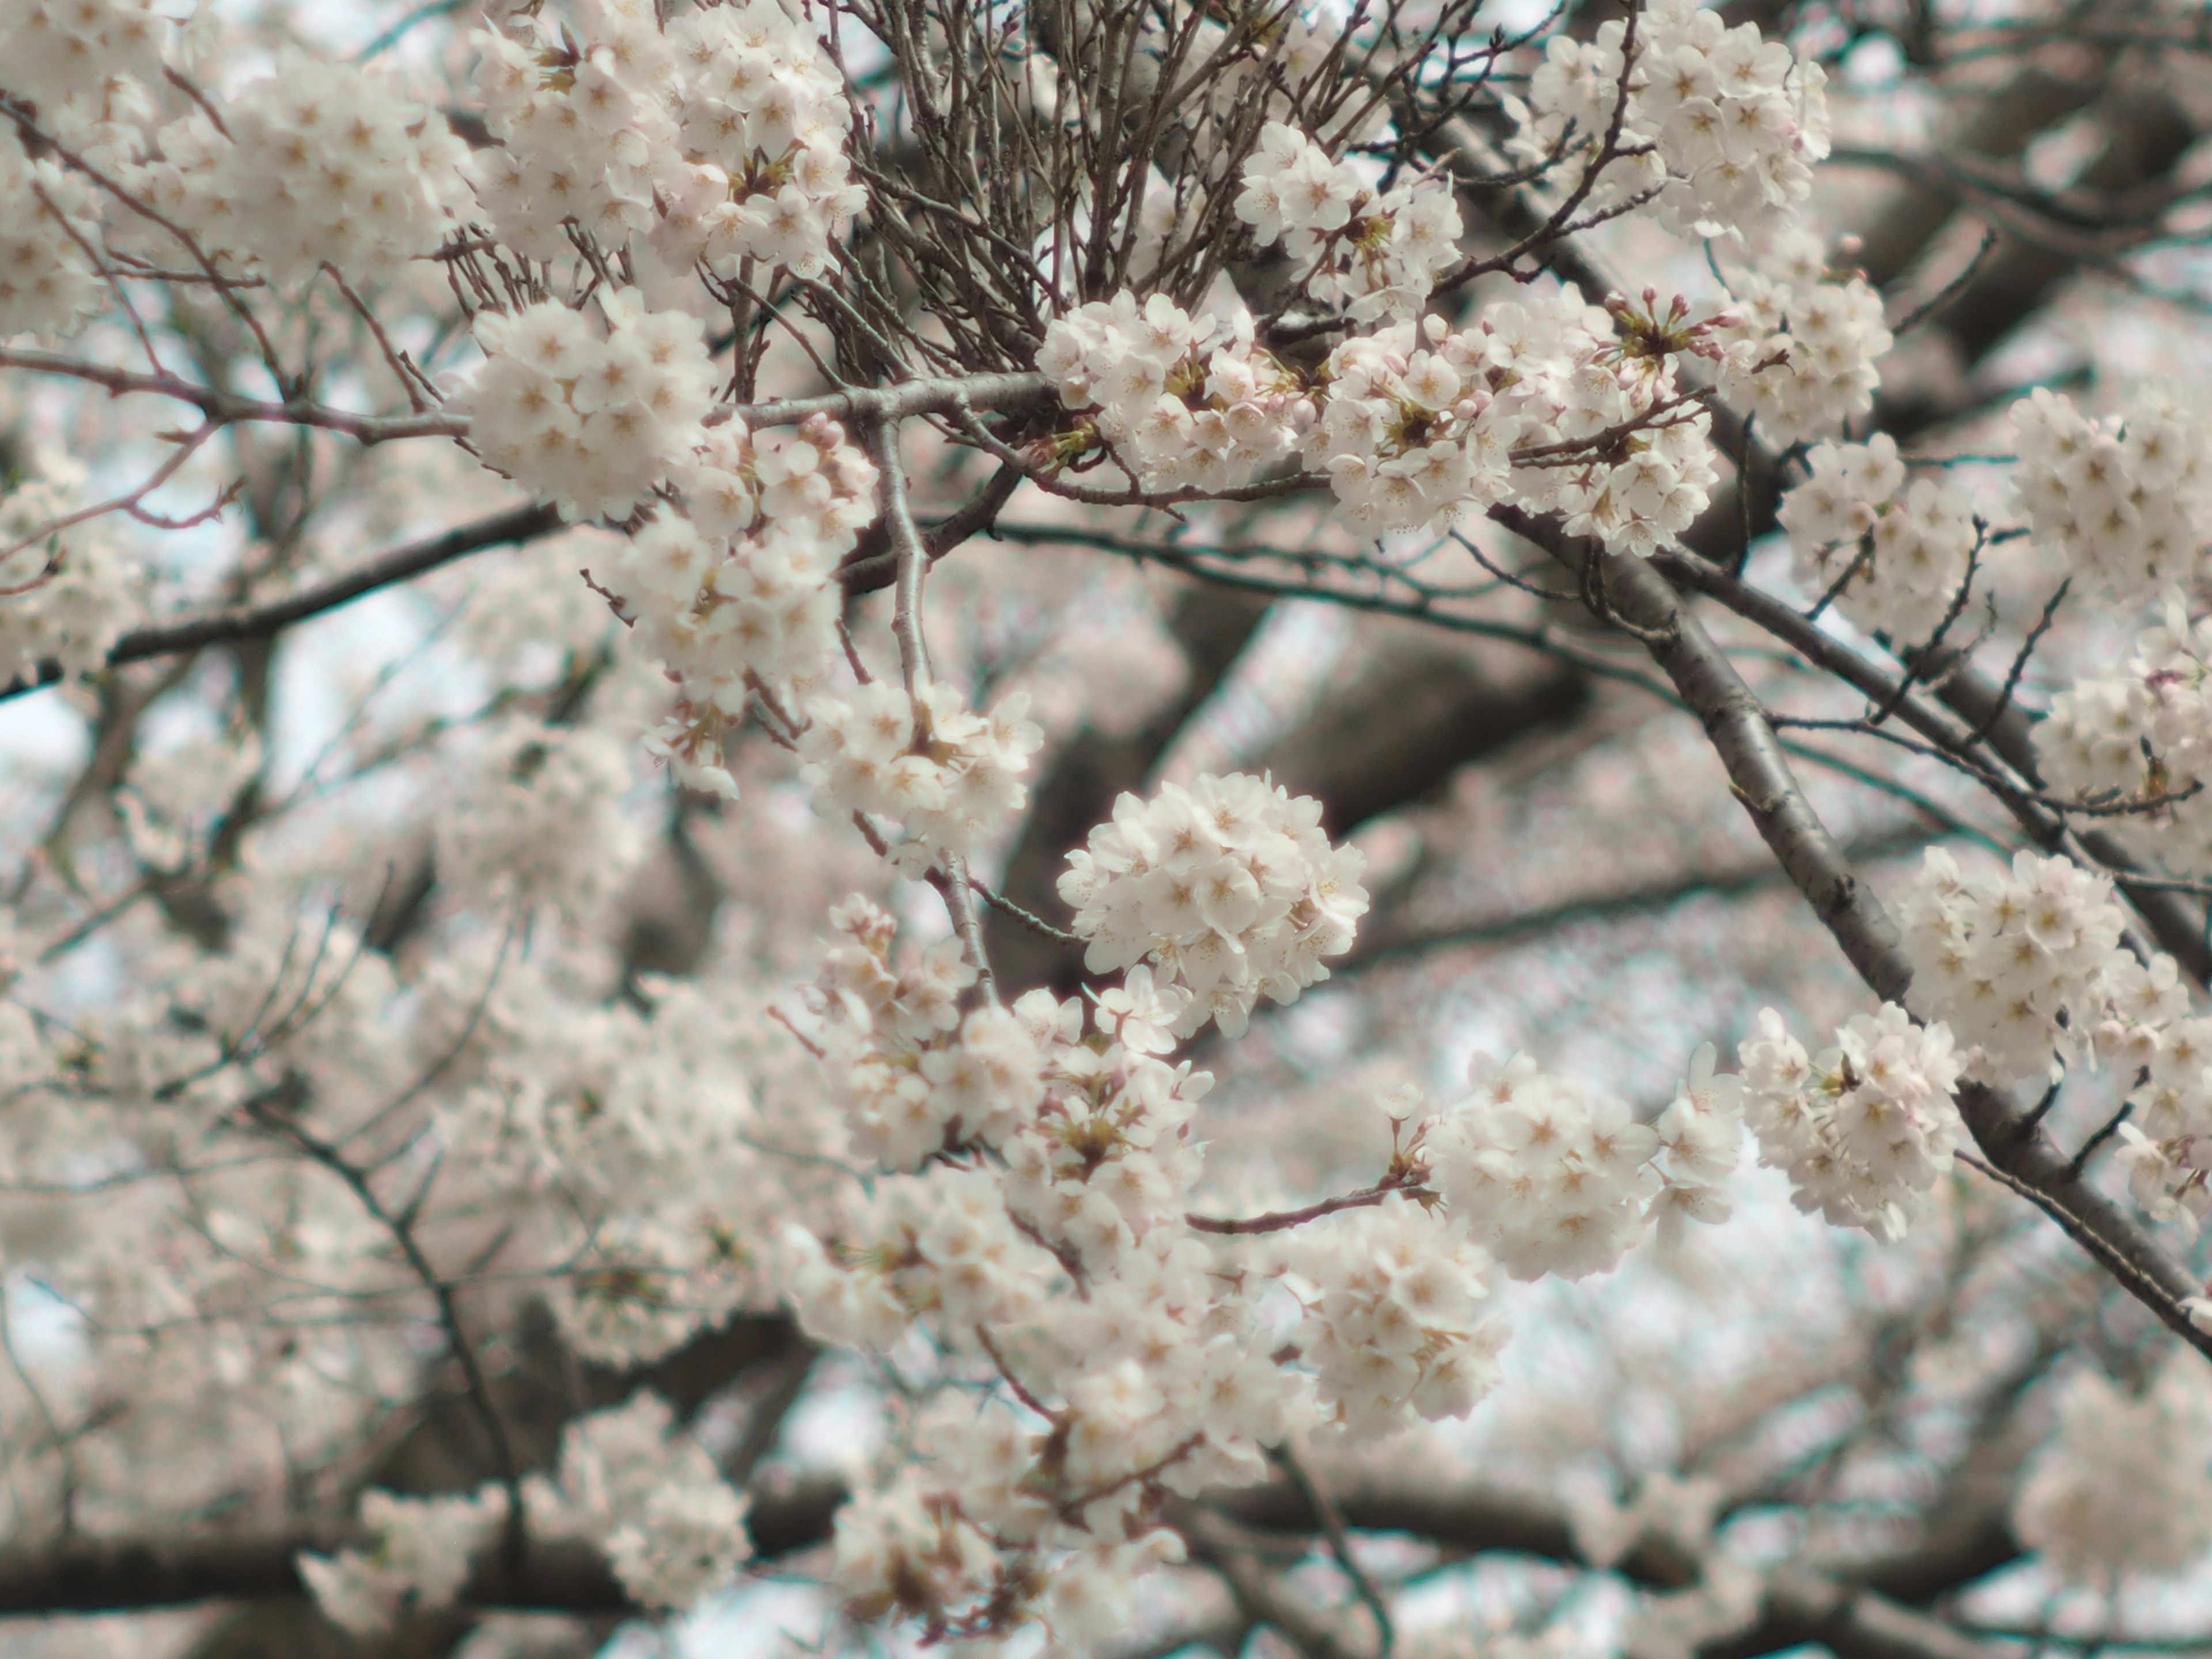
x=1105 y=828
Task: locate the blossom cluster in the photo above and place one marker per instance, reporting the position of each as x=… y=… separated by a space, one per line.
x=2026 y=965
x=1377 y=252
x=942 y=1244
x=71 y=593
x=1070 y=1243
x=2166 y=1146
x=47 y=284
x=64 y=55
x=2143 y=737
x=979 y=1530
x=1046 y=1236
x=2127 y=499
x=1229 y=887
x=1392 y=1331
x=321 y=162
x=633 y=1484
x=1721 y=126
x=590 y=423
x=1700 y=1137
x=541 y=822
x=1103 y=1170
x=1895 y=554
x=1553 y=1177
x=913 y=1077
x=1162 y=1380
x=1013 y=1203
x=1606 y=438
x=948 y=777
x=582 y=119
x=1185 y=413
x=2121 y=1487
x=1410 y=433
x=1131 y=1335
x=1548 y=404
x=723 y=137
x=418 y=1558
x=1088 y=1134
x=635 y=1130
x=1865 y=1128
x=1799 y=357
x=738 y=598
x=764 y=118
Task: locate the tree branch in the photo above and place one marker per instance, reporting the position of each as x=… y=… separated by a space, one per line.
x=1759 y=775
x=513 y=527
x=109 y=1575
x=1803 y=1609
x=938 y=395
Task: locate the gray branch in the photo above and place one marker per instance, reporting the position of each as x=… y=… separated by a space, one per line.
x=1760 y=778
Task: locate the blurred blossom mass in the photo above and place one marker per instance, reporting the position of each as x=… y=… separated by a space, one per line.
x=1106 y=828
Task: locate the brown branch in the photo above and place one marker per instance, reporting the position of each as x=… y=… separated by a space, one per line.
x=1852 y=1607
x=83 y=1574
x=871 y=565
x=513 y=527
x=1340 y=1546
x=1263 y=1597
x=186 y=445
x=1804 y=1609
x=226 y=409
x=1759 y=776
x=1276 y=1221
x=1981 y=716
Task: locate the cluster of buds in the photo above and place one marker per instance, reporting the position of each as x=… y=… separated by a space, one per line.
x=1648 y=339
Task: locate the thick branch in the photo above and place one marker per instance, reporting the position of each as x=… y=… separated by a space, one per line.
x=1265 y=1598
x=110 y=1575
x=1803 y=1609
x=1837 y=1606
x=2177 y=923
x=1759 y=775
x=925 y=395
x=872 y=565
x=1979 y=716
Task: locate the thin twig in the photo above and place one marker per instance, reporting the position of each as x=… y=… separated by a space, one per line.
x=1339 y=1544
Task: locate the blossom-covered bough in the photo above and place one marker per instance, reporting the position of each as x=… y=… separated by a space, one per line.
x=709 y=1057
